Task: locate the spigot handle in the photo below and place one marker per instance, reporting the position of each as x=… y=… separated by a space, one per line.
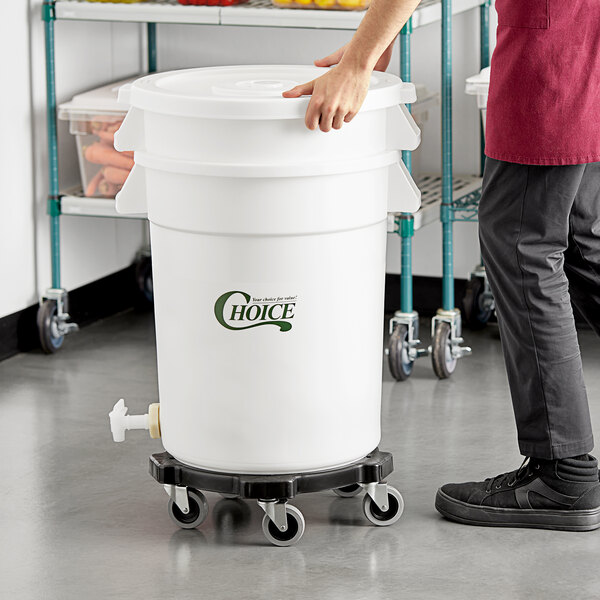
x=120 y=421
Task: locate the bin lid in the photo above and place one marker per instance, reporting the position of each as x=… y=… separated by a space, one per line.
x=246 y=92
x=478 y=84
x=99 y=101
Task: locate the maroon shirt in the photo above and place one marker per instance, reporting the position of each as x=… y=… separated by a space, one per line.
x=544 y=102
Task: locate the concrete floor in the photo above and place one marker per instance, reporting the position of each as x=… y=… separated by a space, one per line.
x=81 y=518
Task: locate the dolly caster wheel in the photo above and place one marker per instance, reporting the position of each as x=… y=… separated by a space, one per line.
x=476 y=307
x=295 y=528
x=383 y=518
x=197 y=514
x=228 y=496
x=444 y=363
x=348 y=491
x=401 y=366
x=143 y=277
x=50 y=338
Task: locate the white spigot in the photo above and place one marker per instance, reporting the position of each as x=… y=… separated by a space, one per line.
x=120 y=421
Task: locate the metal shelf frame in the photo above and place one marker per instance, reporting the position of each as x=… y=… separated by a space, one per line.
x=258 y=13
x=261 y=13
x=457 y=199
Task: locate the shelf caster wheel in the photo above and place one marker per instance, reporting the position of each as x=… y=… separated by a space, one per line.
x=295 y=528
x=383 y=518
x=476 y=306
x=401 y=366
x=228 y=496
x=348 y=491
x=143 y=277
x=197 y=514
x=444 y=363
x=51 y=339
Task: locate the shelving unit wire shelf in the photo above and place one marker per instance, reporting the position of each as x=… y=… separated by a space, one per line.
x=262 y=13
x=258 y=13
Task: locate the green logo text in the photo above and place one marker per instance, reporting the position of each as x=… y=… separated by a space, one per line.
x=238 y=310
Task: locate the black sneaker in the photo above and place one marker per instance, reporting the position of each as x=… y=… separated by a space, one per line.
x=546 y=494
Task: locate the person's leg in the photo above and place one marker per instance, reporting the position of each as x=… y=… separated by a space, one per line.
x=582 y=259
x=524 y=221
x=524 y=232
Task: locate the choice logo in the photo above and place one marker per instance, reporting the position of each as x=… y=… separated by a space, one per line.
x=238 y=310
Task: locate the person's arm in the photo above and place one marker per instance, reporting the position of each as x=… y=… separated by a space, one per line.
x=334 y=59
x=338 y=95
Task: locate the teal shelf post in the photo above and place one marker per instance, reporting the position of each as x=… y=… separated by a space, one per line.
x=152 y=48
x=406 y=222
x=53 y=206
x=446 y=213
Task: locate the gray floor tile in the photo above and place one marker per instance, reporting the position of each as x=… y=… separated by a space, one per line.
x=81 y=518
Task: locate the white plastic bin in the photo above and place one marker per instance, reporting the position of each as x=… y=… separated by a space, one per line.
x=479 y=85
x=268 y=274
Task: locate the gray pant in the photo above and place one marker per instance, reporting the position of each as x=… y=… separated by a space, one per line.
x=539 y=228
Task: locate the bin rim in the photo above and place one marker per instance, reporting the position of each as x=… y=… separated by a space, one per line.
x=249 y=92
x=257 y=171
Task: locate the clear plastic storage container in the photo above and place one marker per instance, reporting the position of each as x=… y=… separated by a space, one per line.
x=94 y=117
x=479 y=85
x=324 y=4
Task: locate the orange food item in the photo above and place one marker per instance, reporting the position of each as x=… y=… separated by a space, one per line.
x=92 y=186
x=115 y=175
x=103 y=154
x=105 y=188
x=106 y=136
x=105 y=130
x=112 y=127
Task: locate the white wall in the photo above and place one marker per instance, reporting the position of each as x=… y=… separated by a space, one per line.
x=90 y=54
x=17 y=223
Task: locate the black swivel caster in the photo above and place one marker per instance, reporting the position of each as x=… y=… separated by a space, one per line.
x=401 y=365
x=387 y=515
x=443 y=362
x=477 y=304
x=198 y=510
x=51 y=339
x=348 y=491
x=293 y=533
x=143 y=277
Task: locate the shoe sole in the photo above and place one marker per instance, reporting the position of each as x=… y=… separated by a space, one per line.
x=489 y=516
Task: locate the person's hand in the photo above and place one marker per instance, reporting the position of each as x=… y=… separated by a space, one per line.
x=336 y=97
x=333 y=59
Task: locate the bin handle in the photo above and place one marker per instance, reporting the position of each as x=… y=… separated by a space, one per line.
x=124 y=93
x=403 y=133
x=131 y=134
x=131 y=200
x=403 y=193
